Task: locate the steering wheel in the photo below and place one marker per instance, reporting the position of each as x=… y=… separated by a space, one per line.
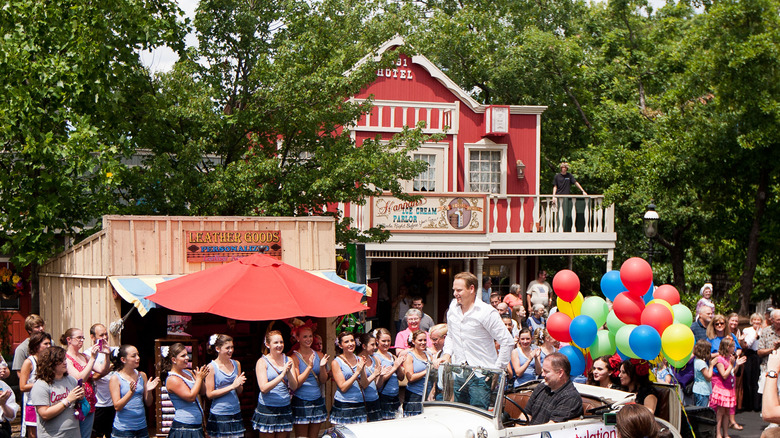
x=519 y=421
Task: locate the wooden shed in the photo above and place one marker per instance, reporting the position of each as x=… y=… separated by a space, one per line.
x=75 y=290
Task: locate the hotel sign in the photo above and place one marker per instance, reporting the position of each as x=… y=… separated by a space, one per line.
x=226 y=246
x=430 y=214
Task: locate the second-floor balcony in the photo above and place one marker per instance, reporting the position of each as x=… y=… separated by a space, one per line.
x=496 y=224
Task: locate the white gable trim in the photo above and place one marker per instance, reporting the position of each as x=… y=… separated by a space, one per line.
x=439 y=75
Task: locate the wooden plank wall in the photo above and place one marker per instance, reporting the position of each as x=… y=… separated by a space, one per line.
x=153 y=245
x=74 y=286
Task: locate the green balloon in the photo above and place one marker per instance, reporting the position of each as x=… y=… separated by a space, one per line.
x=621 y=340
x=604 y=345
x=678 y=363
x=682 y=314
x=614 y=323
x=596 y=308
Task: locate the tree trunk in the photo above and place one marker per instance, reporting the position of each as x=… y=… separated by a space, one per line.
x=678 y=266
x=751 y=258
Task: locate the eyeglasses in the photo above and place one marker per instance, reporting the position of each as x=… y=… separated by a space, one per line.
x=80 y=338
x=720 y=323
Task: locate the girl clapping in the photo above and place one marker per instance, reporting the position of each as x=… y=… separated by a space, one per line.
x=130 y=393
x=223 y=385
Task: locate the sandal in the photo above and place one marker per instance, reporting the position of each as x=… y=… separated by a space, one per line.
x=736 y=426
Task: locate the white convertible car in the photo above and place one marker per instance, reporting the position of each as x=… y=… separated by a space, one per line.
x=444 y=417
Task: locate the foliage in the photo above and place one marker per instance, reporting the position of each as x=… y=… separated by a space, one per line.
x=265 y=97
x=70 y=77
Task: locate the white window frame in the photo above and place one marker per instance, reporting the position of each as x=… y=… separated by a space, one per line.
x=441 y=151
x=486 y=147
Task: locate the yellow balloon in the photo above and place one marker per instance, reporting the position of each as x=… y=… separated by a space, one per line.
x=677 y=341
x=573 y=308
x=565 y=307
x=664 y=302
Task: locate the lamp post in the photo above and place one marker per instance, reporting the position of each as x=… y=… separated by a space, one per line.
x=650 y=223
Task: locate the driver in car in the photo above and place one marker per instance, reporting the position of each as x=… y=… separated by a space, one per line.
x=556 y=399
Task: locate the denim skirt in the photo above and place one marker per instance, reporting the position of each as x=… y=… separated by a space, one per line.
x=183 y=430
x=272 y=419
x=225 y=426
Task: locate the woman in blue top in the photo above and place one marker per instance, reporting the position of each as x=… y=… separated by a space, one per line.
x=525 y=359
x=415 y=367
x=310 y=367
x=372 y=371
x=716 y=331
x=348 y=406
x=130 y=391
x=183 y=387
x=392 y=372
x=275 y=377
x=223 y=385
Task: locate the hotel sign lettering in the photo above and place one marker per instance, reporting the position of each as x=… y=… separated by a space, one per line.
x=226 y=246
x=430 y=214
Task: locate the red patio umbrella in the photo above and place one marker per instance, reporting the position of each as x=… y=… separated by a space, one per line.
x=257 y=288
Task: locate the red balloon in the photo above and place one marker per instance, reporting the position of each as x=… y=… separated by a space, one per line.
x=636 y=275
x=628 y=308
x=668 y=293
x=657 y=316
x=558 y=326
x=566 y=285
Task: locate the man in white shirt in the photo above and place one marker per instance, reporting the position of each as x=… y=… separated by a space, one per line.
x=473 y=327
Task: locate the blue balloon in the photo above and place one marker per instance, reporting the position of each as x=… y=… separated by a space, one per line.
x=576 y=359
x=620 y=353
x=611 y=285
x=645 y=342
x=649 y=295
x=583 y=331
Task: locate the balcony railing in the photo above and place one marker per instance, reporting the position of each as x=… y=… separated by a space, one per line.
x=523 y=214
x=544 y=214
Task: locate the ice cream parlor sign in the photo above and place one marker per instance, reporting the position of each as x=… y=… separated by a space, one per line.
x=430 y=214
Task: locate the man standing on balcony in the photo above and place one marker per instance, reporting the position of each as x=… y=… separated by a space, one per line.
x=562 y=186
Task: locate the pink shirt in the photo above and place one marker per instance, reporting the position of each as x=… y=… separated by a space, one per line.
x=402 y=339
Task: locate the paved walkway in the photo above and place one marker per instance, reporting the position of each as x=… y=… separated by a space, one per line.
x=752 y=423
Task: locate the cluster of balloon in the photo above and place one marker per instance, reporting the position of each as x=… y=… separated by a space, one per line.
x=644 y=321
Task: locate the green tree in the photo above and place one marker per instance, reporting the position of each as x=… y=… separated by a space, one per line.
x=70 y=76
x=265 y=97
x=735 y=63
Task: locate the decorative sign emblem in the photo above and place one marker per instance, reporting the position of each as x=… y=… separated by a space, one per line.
x=430 y=214
x=226 y=246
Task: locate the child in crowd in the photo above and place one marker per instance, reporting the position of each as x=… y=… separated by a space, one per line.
x=723 y=398
x=662 y=372
x=702 y=369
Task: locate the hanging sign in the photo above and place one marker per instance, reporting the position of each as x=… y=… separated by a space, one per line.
x=226 y=246
x=430 y=214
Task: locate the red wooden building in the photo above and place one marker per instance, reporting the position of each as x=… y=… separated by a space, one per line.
x=483 y=209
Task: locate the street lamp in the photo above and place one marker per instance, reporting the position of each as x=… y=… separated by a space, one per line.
x=650 y=222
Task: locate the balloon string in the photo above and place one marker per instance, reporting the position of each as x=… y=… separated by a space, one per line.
x=682 y=404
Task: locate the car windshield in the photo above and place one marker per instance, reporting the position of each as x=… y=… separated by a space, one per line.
x=473 y=386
